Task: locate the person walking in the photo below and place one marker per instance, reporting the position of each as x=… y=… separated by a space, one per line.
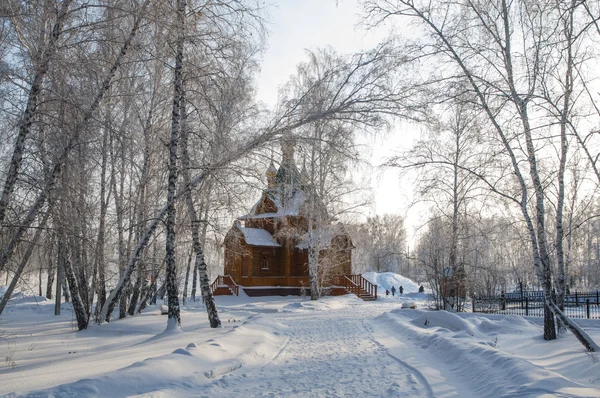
x=393 y=291
x=401 y=290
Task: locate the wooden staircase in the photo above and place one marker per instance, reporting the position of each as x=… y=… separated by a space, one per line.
x=357 y=284
x=224 y=286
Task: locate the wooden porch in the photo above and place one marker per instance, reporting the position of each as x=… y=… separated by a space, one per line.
x=297 y=286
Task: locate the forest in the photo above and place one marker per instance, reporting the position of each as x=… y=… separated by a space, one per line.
x=132 y=138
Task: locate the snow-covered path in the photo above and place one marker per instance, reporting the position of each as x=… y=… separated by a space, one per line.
x=333 y=353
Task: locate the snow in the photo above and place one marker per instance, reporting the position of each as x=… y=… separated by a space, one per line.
x=291 y=207
x=258 y=237
x=385 y=280
x=291 y=346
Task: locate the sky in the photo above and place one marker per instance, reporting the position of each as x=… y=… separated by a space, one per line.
x=292 y=346
x=298 y=25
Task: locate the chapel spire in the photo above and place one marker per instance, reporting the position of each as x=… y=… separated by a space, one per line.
x=271 y=173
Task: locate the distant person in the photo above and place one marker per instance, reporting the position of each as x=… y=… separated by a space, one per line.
x=401 y=290
x=394 y=291
x=387 y=292
x=421 y=289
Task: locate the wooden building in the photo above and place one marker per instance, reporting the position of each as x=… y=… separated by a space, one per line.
x=268 y=247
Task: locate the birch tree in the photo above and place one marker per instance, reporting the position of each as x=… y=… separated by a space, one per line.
x=174 y=320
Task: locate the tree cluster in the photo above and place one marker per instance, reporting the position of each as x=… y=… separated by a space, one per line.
x=525 y=70
x=128 y=125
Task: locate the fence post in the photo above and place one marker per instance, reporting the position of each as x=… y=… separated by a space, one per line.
x=473 y=302
x=587 y=308
x=521 y=286
x=576 y=300
x=597 y=301
x=526 y=306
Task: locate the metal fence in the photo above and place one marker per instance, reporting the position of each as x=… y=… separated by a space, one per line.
x=577 y=305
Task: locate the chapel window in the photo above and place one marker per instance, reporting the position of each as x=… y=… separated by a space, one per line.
x=264 y=262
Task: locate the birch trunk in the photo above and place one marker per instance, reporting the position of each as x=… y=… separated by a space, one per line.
x=79 y=222
x=203 y=206
x=187 y=276
x=40 y=269
x=78 y=307
x=50 y=272
x=174 y=320
x=137 y=289
x=452 y=299
x=313 y=241
x=99 y=271
x=313 y=264
x=118 y=193
x=195 y=278
x=65 y=285
x=564 y=120
x=59 y=279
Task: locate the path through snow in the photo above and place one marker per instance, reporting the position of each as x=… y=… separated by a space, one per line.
x=333 y=353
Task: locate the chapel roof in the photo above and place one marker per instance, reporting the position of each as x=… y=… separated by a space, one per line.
x=288 y=189
x=258 y=237
x=290 y=207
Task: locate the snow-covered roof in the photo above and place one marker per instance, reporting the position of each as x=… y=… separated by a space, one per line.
x=263 y=215
x=258 y=237
x=291 y=207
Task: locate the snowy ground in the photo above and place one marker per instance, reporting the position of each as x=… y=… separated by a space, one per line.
x=284 y=346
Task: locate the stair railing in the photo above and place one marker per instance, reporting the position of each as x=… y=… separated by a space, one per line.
x=213 y=286
x=356 y=283
x=350 y=285
x=225 y=280
x=235 y=288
